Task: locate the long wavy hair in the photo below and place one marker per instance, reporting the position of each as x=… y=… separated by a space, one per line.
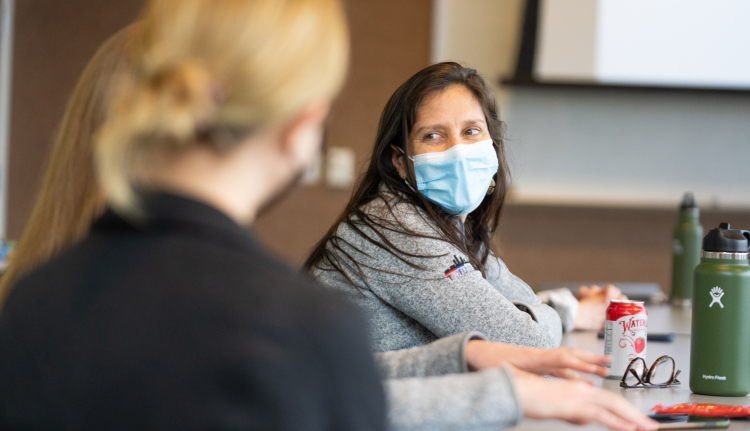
x=396 y=122
x=70 y=198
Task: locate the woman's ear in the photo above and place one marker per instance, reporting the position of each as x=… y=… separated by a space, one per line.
x=301 y=138
x=397 y=157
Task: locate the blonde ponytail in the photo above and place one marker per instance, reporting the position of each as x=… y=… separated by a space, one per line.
x=216 y=70
x=159 y=114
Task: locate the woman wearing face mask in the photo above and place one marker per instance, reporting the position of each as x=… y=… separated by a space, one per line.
x=413 y=245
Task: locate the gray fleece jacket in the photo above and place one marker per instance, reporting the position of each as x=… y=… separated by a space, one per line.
x=409 y=307
x=430 y=388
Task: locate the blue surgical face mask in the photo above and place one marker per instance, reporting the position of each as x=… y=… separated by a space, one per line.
x=457 y=179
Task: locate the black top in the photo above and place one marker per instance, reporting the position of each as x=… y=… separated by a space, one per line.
x=183 y=323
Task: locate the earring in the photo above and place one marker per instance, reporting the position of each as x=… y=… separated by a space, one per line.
x=492 y=188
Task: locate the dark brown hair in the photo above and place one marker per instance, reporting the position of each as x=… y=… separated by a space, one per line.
x=396 y=121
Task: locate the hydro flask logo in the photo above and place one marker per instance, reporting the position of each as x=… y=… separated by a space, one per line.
x=716 y=294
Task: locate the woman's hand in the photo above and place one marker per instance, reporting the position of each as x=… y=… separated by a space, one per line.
x=563 y=362
x=592 y=306
x=609 y=292
x=578 y=403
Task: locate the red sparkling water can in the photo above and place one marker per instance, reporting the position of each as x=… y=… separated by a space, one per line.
x=625 y=335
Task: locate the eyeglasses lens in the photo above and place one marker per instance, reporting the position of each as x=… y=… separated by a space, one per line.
x=630 y=379
x=661 y=372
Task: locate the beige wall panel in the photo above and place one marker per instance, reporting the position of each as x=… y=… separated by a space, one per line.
x=566 y=40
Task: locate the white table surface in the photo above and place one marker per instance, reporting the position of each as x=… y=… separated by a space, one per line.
x=662 y=318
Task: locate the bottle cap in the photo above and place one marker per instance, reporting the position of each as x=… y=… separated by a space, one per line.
x=688 y=201
x=727 y=240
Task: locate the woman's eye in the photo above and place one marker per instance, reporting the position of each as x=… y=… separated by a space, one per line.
x=473 y=132
x=431 y=136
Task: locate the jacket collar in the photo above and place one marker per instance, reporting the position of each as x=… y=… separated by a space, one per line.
x=182 y=215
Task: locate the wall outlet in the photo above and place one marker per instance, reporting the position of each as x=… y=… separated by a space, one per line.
x=312 y=175
x=340 y=163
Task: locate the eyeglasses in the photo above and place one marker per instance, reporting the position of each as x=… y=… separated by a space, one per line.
x=660 y=375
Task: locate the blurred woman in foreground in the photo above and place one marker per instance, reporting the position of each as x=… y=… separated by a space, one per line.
x=168 y=315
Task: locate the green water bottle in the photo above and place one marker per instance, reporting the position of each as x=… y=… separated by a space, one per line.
x=720 y=338
x=686 y=251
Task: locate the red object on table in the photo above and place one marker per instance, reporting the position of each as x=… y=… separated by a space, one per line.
x=709 y=410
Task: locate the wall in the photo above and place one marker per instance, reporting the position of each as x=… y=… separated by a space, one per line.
x=629 y=147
